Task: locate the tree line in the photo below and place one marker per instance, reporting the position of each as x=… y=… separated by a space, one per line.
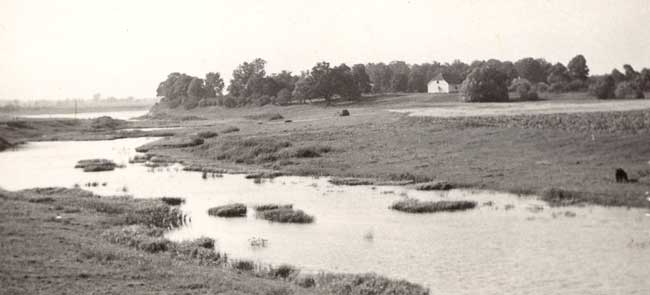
x=251 y=85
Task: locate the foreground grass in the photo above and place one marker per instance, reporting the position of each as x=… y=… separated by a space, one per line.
x=54 y=241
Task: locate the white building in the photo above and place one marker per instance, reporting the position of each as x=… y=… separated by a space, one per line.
x=440 y=85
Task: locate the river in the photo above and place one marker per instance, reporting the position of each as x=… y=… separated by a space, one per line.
x=529 y=248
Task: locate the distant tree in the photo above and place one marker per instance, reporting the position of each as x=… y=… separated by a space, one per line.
x=484 y=84
x=380 y=75
x=283 y=97
x=213 y=84
x=456 y=72
x=400 y=76
x=630 y=73
x=525 y=89
x=97 y=96
x=530 y=69
x=284 y=80
x=417 y=81
x=578 y=69
x=628 y=89
x=247 y=78
x=323 y=83
x=195 y=88
x=361 y=78
x=617 y=76
x=604 y=87
x=303 y=88
x=558 y=74
x=343 y=82
x=644 y=80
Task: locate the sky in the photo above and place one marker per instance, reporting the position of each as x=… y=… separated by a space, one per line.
x=73 y=49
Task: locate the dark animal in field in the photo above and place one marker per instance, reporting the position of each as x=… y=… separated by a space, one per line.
x=621 y=176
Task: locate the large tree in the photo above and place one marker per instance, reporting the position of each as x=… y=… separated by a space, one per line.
x=361 y=78
x=558 y=74
x=400 y=76
x=247 y=78
x=213 y=84
x=578 y=69
x=530 y=69
x=380 y=75
x=484 y=84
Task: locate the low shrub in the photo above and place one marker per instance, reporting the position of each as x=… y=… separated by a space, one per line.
x=283 y=271
x=139 y=237
x=628 y=90
x=344 y=113
x=230 y=210
x=251 y=150
x=525 y=90
x=243 y=265
x=310 y=151
x=417 y=206
x=285 y=215
x=41 y=200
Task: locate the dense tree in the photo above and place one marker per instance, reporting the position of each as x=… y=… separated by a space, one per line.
x=361 y=78
x=247 y=79
x=617 y=76
x=558 y=74
x=484 y=84
x=578 y=69
x=323 y=83
x=417 y=80
x=456 y=72
x=400 y=76
x=195 y=88
x=380 y=75
x=604 y=87
x=644 y=80
x=213 y=84
x=283 y=97
x=530 y=69
x=284 y=80
x=630 y=73
x=303 y=88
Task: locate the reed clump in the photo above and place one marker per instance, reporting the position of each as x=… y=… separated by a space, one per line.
x=230 y=210
x=285 y=215
x=417 y=206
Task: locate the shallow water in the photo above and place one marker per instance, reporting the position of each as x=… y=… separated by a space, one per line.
x=488 y=250
x=122 y=115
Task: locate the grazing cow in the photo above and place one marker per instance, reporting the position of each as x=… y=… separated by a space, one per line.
x=621 y=176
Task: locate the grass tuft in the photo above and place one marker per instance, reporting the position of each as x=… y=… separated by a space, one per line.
x=417 y=206
x=285 y=215
x=230 y=210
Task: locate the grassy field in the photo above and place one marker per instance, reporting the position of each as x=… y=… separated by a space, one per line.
x=527 y=154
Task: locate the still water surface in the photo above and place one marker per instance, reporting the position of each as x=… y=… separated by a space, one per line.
x=488 y=250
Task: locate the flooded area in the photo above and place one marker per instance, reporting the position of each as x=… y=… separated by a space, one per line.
x=506 y=243
x=122 y=115
x=520 y=108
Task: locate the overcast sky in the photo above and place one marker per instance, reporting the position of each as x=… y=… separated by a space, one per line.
x=72 y=49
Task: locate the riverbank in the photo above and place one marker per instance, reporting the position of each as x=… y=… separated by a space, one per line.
x=527 y=154
x=71 y=241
